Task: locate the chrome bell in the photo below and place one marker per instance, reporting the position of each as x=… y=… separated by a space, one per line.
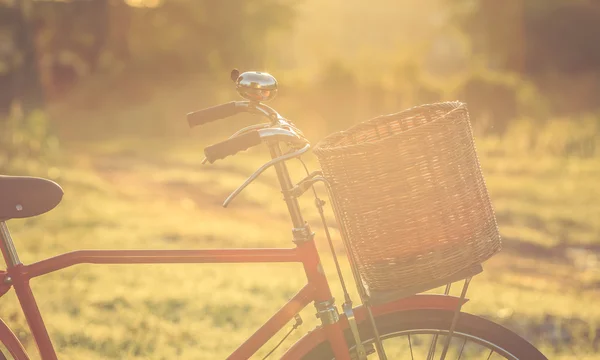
x=256 y=86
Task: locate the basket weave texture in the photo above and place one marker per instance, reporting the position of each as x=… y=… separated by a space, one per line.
x=410 y=195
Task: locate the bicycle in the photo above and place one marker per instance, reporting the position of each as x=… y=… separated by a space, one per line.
x=433 y=321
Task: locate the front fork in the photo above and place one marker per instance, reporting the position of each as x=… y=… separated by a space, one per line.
x=360 y=351
x=324 y=302
x=328 y=314
x=303 y=237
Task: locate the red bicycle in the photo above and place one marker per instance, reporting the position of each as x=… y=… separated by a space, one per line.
x=424 y=326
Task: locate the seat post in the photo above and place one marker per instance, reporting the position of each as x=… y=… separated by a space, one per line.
x=8 y=247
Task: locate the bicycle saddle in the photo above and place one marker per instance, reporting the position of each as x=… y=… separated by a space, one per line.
x=23 y=196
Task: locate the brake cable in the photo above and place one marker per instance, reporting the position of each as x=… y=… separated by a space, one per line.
x=311 y=179
x=319 y=204
x=294 y=327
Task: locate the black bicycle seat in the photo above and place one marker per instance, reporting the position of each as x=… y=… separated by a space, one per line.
x=23 y=196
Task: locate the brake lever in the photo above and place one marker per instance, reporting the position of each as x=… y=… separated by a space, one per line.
x=262 y=169
x=243 y=131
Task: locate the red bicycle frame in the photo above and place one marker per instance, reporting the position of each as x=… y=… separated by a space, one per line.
x=316 y=290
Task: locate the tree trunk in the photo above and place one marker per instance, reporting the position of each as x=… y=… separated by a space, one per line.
x=7 y=61
x=28 y=85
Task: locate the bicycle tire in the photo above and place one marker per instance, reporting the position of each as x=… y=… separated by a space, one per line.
x=468 y=325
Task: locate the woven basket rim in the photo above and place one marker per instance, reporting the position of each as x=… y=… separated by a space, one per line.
x=329 y=143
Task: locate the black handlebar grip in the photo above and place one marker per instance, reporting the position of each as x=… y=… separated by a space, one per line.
x=207 y=115
x=232 y=146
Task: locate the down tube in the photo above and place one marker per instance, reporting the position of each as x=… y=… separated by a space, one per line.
x=274 y=324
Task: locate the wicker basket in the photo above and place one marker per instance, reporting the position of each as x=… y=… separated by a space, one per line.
x=411 y=198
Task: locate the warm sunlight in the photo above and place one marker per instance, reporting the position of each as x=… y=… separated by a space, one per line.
x=153 y=204
x=144 y=3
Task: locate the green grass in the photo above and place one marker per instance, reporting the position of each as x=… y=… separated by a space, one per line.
x=133 y=195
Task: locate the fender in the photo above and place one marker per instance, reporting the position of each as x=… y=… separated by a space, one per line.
x=415 y=302
x=12 y=344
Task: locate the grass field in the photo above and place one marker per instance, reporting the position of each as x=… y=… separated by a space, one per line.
x=132 y=194
x=136 y=191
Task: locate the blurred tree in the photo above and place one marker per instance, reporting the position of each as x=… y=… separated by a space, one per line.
x=492 y=102
x=202 y=35
x=71 y=38
x=337 y=95
x=538 y=39
x=20 y=75
x=532 y=36
x=8 y=60
x=151 y=37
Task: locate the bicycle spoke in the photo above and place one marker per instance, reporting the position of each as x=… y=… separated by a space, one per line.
x=410 y=346
x=462 y=348
x=423 y=344
x=432 y=347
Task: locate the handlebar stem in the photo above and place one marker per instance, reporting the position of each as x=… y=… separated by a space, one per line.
x=267 y=111
x=286 y=185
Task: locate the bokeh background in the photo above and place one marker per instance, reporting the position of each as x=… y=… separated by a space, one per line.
x=93 y=94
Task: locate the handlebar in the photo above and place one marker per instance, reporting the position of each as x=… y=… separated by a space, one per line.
x=244 y=141
x=211 y=114
x=278 y=130
x=229 y=109
x=232 y=146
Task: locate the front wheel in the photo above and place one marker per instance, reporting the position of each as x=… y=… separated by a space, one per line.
x=422 y=334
